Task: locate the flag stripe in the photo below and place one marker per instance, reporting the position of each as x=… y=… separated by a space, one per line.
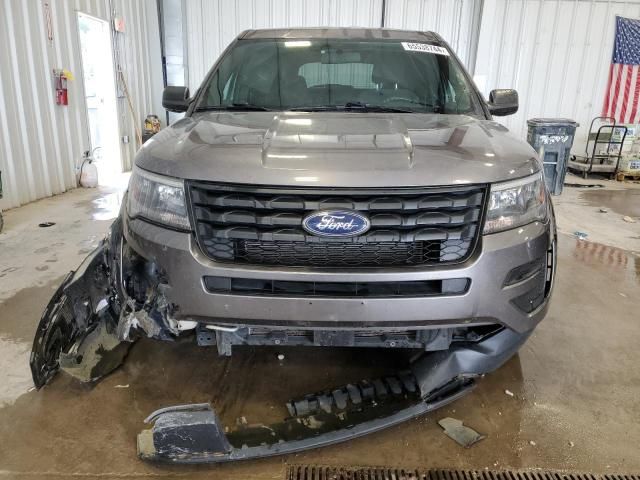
x=616 y=91
x=628 y=70
x=607 y=98
x=636 y=96
x=631 y=97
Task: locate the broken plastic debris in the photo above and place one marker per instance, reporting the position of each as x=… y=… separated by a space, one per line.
x=46 y=224
x=580 y=235
x=603 y=210
x=571 y=444
x=459 y=432
x=122 y=386
x=241 y=421
x=628 y=219
x=509 y=392
x=532 y=443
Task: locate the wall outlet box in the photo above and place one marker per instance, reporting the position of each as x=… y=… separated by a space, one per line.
x=125 y=139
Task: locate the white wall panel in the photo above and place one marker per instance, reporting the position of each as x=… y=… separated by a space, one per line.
x=213 y=24
x=457 y=21
x=41 y=142
x=556 y=53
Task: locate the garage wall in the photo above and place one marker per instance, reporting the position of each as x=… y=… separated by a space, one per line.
x=556 y=53
x=457 y=21
x=41 y=142
x=212 y=25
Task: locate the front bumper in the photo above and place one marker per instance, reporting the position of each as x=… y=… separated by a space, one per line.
x=194 y=433
x=146 y=278
x=488 y=299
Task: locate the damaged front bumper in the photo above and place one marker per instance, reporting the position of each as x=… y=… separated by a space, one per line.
x=116 y=296
x=77 y=329
x=98 y=312
x=194 y=433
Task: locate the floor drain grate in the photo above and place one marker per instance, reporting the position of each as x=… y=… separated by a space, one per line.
x=313 y=472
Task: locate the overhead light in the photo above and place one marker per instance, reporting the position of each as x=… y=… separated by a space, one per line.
x=297 y=43
x=306 y=179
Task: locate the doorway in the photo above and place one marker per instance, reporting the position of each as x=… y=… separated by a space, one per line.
x=99 y=83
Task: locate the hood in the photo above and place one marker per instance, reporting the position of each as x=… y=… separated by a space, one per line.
x=337 y=149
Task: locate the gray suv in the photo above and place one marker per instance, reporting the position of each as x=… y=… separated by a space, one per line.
x=325 y=188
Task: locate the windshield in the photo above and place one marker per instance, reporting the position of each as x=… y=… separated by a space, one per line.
x=337 y=74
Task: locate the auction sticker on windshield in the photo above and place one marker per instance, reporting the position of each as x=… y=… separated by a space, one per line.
x=425 y=47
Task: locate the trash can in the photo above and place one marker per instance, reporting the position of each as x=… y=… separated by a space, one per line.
x=552 y=138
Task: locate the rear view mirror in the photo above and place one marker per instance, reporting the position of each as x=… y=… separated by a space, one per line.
x=503 y=102
x=175 y=99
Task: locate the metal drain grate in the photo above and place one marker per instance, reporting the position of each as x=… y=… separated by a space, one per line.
x=311 y=472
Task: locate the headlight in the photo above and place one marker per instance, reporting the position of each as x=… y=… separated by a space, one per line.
x=516 y=203
x=158 y=199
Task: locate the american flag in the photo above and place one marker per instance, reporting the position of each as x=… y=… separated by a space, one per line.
x=623 y=88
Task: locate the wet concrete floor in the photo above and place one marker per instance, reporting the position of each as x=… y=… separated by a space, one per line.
x=626 y=202
x=576 y=383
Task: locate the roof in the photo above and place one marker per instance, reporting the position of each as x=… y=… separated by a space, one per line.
x=347 y=32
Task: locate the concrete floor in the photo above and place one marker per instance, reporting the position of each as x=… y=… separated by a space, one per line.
x=576 y=383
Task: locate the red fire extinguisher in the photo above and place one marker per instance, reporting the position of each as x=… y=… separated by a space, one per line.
x=61 y=89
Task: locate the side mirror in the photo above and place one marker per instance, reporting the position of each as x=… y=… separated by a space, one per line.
x=503 y=102
x=175 y=99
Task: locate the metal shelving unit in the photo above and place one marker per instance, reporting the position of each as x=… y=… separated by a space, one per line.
x=606 y=139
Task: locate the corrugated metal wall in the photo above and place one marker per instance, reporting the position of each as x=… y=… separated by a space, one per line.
x=212 y=25
x=42 y=142
x=457 y=21
x=556 y=53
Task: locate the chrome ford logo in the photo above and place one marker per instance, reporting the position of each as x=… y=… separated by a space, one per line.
x=336 y=223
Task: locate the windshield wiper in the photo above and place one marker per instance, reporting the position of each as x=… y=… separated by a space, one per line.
x=352 y=106
x=240 y=107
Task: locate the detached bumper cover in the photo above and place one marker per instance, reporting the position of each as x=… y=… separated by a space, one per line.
x=194 y=433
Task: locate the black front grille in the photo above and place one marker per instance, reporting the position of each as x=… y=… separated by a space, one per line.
x=287 y=288
x=263 y=226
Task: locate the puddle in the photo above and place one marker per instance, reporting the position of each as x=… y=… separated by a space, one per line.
x=623 y=202
x=89 y=244
x=106 y=207
x=15 y=376
x=615 y=261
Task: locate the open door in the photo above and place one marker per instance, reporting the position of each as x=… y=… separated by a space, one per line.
x=100 y=94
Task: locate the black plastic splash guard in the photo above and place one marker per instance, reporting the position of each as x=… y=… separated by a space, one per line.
x=194 y=434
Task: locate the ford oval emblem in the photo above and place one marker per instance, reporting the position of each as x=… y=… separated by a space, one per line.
x=336 y=223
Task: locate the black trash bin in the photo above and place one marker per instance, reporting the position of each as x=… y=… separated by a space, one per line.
x=552 y=138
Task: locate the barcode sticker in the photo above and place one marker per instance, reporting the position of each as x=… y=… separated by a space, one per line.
x=425 y=48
